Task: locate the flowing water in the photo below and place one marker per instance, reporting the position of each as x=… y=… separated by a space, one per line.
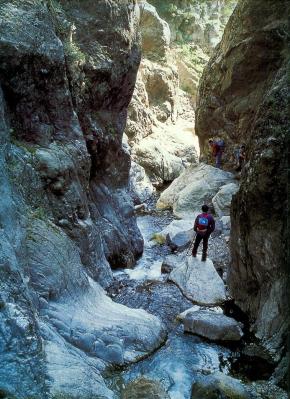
x=176 y=364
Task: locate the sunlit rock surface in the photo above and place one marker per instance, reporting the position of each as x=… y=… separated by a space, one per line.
x=194 y=187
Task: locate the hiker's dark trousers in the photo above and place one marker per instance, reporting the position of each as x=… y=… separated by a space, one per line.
x=197 y=241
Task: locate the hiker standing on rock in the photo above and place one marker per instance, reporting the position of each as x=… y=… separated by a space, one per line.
x=217 y=148
x=204 y=225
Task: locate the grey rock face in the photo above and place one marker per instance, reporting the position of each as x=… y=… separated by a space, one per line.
x=214 y=326
x=253 y=109
x=193 y=275
x=65 y=212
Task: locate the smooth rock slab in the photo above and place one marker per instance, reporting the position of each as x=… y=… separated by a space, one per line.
x=199 y=281
x=218 y=386
x=211 y=325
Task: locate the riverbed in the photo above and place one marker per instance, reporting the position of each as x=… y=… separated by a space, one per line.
x=183 y=356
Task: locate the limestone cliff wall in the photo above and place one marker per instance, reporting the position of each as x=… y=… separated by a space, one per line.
x=243 y=97
x=67 y=73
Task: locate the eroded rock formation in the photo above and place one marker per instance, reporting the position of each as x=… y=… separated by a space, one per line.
x=67 y=73
x=243 y=97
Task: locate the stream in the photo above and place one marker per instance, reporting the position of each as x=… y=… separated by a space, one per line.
x=183 y=356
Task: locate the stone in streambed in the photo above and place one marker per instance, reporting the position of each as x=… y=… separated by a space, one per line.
x=170 y=263
x=144 y=389
x=178 y=234
x=211 y=325
x=217 y=386
x=199 y=281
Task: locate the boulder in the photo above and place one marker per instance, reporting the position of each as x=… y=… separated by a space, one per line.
x=143 y=388
x=155 y=33
x=199 y=281
x=218 y=385
x=140 y=186
x=211 y=325
x=178 y=234
x=166 y=152
x=158 y=162
x=171 y=262
x=194 y=187
x=223 y=199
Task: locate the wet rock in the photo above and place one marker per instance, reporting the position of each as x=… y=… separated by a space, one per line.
x=194 y=187
x=162 y=299
x=218 y=385
x=171 y=262
x=214 y=326
x=143 y=388
x=199 y=281
x=223 y=199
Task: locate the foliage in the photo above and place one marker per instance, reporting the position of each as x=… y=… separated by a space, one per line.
x=159 y=239
x=73 y=53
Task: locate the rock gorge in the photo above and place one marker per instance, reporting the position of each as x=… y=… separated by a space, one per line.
x=73 y=165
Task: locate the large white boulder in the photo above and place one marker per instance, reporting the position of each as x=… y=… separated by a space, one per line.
x=194 y=187
x=223 y=199
x=158 y=162
x=199 y=281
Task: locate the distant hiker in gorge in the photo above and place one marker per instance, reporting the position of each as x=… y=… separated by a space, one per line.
x=217 y=149
x=204 y=225
x=241 y=157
